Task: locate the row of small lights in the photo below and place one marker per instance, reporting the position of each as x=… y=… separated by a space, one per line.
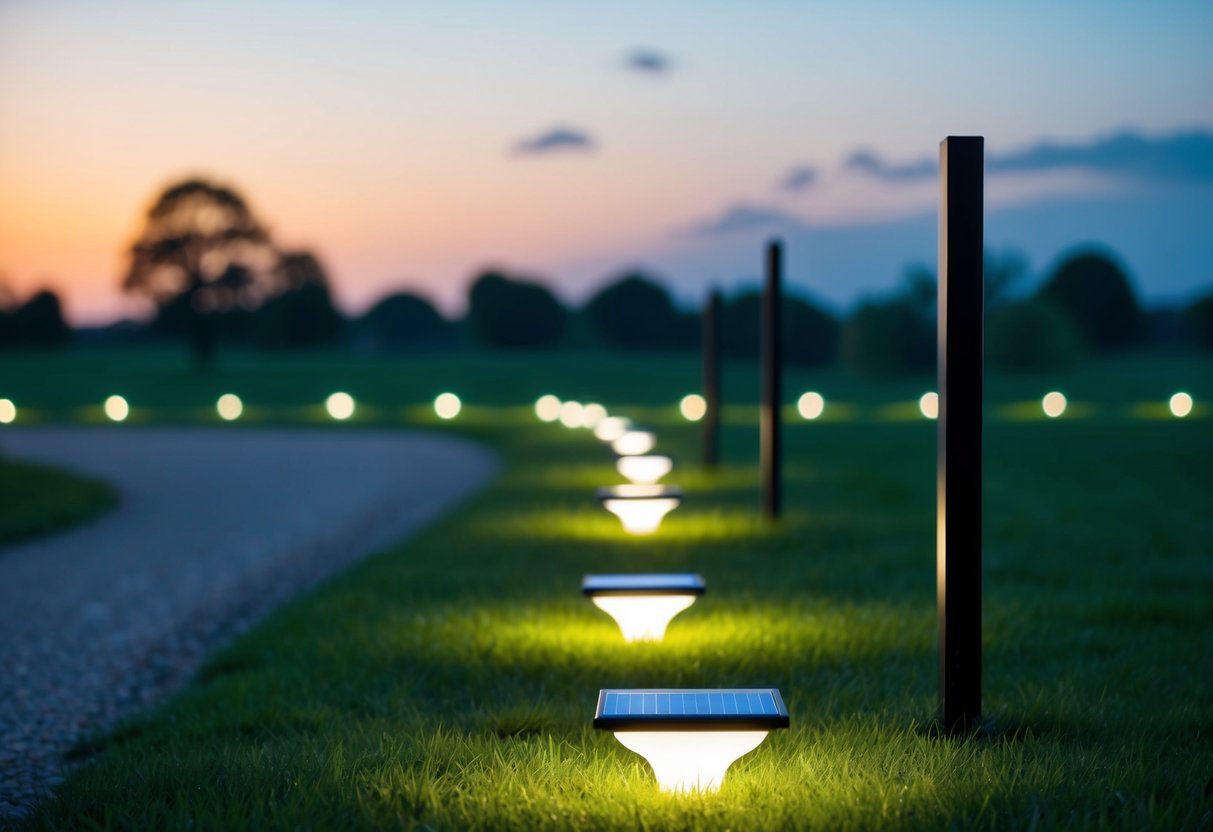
x=341 y=406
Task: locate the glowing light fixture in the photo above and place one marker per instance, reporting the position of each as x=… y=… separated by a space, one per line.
x=116 y=408
x=811 y=405
x=642 y=605
x=694 y=407
x=929 y=405
x=634 y=442
x=8 y=411
x=640 y=508
x=340 y=406
x=547 y=408
x=570 y=414
x=690 y=737
x=229 y=407
x=1053 y=404
x=1181 y=405
x=447 y=405
x=592 y=414
x=645 y=469
x=611 y=428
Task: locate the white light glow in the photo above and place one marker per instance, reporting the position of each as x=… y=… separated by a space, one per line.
x=1181 y=405
x=811 y=405
x=693 y=407
x=634 y=443
x=8 y=411
x=689 y=761
x=547 y=408
x=611 y=428
x=646 y=469
x=447 y=405
x=116 y=408
x=641 y=515
x=1053 y=404
x=929 y=405
x=340 y=406
x=592 y=414
x=570 y=414
x=229 y=407
x=643 y=617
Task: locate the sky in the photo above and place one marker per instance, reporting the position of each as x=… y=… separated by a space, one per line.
x=413 y=144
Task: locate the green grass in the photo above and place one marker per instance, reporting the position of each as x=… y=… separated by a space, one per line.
x=36 y=499
x=449 y=682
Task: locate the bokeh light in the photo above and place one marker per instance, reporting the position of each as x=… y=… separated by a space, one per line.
x=1181 y=405
x=570 y=414
x=1053 y=404
x=634 y=443
x=611 y=428
x=592 y=414
x=811 y=405
x=547 y=408
x=8 y=411
x=229 y=407
x=929 y=405
x=116 y=408
x=340 y=406
x=693 y=407
x=447 y=405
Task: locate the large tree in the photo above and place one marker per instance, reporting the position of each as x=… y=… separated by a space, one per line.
x=201 y=253
x=1096 y=292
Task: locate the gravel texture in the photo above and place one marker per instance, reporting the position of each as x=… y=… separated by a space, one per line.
x=215 y=527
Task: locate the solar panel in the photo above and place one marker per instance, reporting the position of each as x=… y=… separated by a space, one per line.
x=684 y=583
x=666 y=709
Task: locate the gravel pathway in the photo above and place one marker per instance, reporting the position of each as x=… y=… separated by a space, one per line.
x=215 y=527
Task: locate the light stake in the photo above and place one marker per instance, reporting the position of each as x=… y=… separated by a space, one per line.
x=643 y=605
x=570 y=414
x=634 y=442
x=640 y=508
x=611 y=428
x=340 y=406
x=229 y=407
x=447 y=405
x=116 y=408
x=645 y=469
x=690 y=737
x=1180 y=404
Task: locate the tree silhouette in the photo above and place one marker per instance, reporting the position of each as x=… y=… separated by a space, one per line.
x=1095 y=291
x=201 y=253
x=39 y=323
x=809 y=333
x=301 y=313
x=404 y=320
x=514 y=313
x=636 y=312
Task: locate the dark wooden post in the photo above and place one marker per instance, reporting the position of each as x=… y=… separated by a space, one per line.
x=772 y=394
x=710 y=435
x=958 y=471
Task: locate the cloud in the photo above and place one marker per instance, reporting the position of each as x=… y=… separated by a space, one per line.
x=798 y=179
x=742 y=217
x=648 y=61
x=1182 y=156
x=555 y=140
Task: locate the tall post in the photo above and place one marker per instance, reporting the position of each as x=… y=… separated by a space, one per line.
x=958 y=469
x=772 y=394
x=710 y=436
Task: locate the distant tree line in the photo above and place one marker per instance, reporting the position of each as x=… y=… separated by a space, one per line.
x=215 y=277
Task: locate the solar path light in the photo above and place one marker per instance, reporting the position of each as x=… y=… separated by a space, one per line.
x=447 y=405
x=340 y=406
x=8 y=411
x=1053 y=404
x=643 y=605
x=571 y=414
x=690 y=737
x=1180 y=404
x=547 y=408
x=634 y=442
x=116 y=408
x=611 y=428
x=811 y=405
x=640 y=508
x=229 y=407
x=592 y=414
x=645 y=469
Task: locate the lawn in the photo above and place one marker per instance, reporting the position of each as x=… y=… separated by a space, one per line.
x=36 y=499
x=449 y=682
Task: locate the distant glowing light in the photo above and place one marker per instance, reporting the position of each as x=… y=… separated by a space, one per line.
x=340 y=406
x=447 y=405
x=811 y=405
x=634 y=443
x=8 y=411
x=592 y=414
x=1181 y=405
x=929 y=405
x=640 y=508
x=643 y=605
x=570 y=414
x=694 y=407
x=1053 y=404
x=229 y=407
x=611 y=428
x=645 y=469
x=547 y=408
x=116 y=408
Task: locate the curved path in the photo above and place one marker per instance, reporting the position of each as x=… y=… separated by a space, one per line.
x=213 y=529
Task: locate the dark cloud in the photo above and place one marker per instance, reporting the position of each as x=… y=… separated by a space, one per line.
x=1177 y=157
x=741 y=217
x=799 y=179
x=648 y=61
x=555 y=140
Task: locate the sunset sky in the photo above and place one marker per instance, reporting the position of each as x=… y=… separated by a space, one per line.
x=411 y=144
